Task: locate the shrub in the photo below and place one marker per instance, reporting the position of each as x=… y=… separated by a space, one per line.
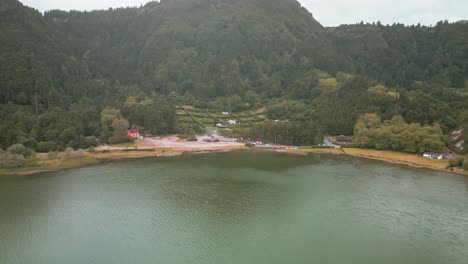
x=9 y=160
x=456 y=162
x=77 y=154
x=71 y=153
x=19 y=149
x=192 y=138
x=68 y=151
x=90 y=142
x=465 y=164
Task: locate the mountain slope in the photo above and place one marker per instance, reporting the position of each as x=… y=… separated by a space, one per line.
x=209 y=48
x=402 y=55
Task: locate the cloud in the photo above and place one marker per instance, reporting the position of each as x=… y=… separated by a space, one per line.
x=427 y=12
x=329 y=13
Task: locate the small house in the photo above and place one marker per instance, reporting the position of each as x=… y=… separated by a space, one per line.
x=219 y=125
x=432 y=155
x=344 y=138
x=225 y=113
x=232 y=122
x=134 y=133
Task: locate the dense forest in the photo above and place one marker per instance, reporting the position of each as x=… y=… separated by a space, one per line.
x=72 y=79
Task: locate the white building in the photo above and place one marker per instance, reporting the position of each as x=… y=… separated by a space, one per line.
x=221 y=125
x=232 y=122
x=434 y=156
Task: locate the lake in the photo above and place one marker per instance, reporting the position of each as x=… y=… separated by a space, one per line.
x=236 y=208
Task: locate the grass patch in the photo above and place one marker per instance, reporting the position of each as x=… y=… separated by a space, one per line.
x=398 y=157
x=328 y=83
x=123 y=145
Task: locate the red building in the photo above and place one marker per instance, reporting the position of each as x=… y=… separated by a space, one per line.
x=134 y=133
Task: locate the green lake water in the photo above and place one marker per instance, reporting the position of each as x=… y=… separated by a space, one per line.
x=236 y=208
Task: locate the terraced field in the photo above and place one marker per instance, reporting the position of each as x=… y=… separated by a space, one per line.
x=208 y=118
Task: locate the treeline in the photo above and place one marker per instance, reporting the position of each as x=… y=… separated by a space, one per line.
x=338 y=106
x=396 y=134
x=405 y=55
x=287 y=133
x=85 y=124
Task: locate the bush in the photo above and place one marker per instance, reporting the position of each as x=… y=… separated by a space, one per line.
x=465 y=165
x=456 y=162
x=77 y=154
x=72 y=154
x=69 y=151
x=91 y=141
x=45 y=147
x=9 y=160
x=19 y=149
x=192 y=138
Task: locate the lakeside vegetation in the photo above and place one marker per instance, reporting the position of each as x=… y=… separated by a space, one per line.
x=396 y=134
x=73 y=159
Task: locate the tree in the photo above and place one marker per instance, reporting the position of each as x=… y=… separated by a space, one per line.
x=396 y=134
x=120 y=128
x=108 y=115
x=45 y=147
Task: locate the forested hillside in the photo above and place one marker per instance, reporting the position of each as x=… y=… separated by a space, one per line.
x=65 y=77
x=405 y=56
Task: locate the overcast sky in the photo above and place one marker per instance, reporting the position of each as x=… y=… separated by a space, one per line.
x=327 y=12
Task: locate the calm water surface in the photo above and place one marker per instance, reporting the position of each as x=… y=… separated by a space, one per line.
x=236 y=208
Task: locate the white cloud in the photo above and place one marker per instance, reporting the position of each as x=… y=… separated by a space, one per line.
x=327 y=12
x=427 y=12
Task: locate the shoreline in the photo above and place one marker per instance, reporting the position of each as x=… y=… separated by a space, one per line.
x=401 y=158
x=104 y=157
x=90 y=159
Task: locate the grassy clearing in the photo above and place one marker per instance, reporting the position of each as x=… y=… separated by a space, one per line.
x=329 y=83
x=321 y=74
